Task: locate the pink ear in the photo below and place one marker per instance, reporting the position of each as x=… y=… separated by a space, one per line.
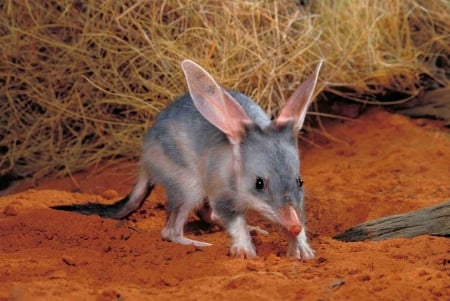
x=214 y=103
x=297 y=105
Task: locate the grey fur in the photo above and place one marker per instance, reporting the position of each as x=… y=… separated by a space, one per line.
x=197 y=163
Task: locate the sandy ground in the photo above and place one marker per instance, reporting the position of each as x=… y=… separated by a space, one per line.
x=380 y=164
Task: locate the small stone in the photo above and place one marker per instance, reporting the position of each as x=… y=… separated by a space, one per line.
x=364 y=278
x=58 y=275
x=321 y=260
x=169 y=280
x=337 y=283
x=48 y=235
x=423 y=273
x=254 y=266
x=109 y=194
x=68 y=260
x=109 y=295
x=272 y=258
x=192 y=249
x=10 y=210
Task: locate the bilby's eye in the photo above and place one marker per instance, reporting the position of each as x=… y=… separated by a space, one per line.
x=299 y=183
x=260 y=184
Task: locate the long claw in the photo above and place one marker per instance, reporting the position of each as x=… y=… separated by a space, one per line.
x=187 y=241
x=257 y=229
x=242 y=252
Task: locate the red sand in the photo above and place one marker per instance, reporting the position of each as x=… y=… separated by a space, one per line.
x=383 y=164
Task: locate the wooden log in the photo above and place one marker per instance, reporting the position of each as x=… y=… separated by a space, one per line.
x=433 y=104
x=434 y=220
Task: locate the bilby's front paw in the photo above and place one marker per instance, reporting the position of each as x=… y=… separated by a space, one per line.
x=301 y=252
x=247 y=251
x=241 y=245
x=298 y=247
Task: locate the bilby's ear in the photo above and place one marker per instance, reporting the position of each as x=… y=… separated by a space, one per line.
x=297 y=105
x=214 y=103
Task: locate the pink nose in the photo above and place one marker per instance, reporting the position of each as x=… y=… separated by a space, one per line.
x=289 y=219
x=295 y=229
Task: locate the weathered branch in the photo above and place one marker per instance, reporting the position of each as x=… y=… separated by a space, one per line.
x=434 y=220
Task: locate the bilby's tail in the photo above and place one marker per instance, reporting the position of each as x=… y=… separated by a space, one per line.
x=120 y=209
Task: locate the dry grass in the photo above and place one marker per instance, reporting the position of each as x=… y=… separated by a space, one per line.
x=80 y=81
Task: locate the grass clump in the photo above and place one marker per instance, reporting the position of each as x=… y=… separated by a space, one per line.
x=80 y=81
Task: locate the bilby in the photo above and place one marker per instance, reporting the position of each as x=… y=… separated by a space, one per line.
x=218 y=147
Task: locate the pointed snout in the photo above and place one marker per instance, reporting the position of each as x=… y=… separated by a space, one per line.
x=289 y=219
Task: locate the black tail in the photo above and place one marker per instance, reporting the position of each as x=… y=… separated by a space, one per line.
x=107 y=210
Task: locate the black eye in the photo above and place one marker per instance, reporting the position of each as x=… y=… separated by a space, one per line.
x=260 y=185
x=299 y=183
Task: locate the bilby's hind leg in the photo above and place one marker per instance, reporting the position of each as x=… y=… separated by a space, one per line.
x=174 y=229
x=172 y=158
x=179 y=206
